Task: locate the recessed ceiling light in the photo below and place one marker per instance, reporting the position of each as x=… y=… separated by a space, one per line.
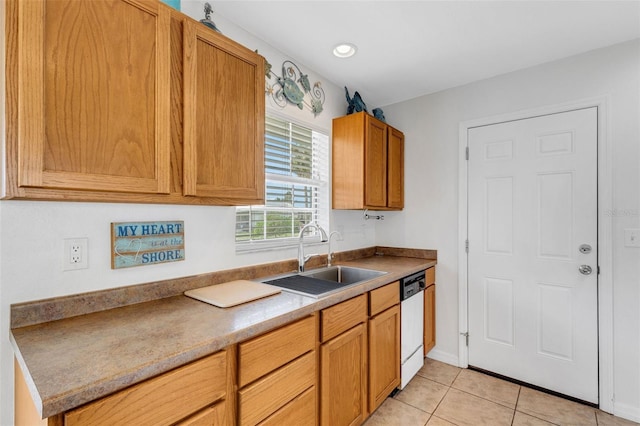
x=345 y=50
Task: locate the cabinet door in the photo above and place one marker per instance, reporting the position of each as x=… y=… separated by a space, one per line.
x=223 y=118
x=93 y=95
x=343 y=379
x=429 y=318
x=384 y=355
x=395 y=169
x=375 y=157
x=211 y=416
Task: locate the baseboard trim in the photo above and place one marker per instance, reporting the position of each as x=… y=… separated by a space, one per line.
x=626 y=412
x=445 y=357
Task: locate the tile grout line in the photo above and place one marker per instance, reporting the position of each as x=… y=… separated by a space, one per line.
x=418 y=408
x=515 y=409
x=440 y=402
x=445 y=395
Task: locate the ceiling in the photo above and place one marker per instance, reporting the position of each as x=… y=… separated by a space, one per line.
x=411 y=48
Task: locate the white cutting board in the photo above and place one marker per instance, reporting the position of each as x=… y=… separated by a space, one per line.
x=232 y=293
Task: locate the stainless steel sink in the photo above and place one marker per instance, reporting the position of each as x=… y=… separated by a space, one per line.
x=323 y=281
x=343 y=274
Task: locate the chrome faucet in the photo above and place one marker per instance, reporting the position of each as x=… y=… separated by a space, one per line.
x=302 y=259
x=329 y=252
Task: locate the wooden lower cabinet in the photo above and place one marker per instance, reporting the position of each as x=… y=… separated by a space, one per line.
x=212 y=416
x=269 y=394
x=194 y=394
x=430 y=310
x=301 y=411
x=384 y=343
x=163 y=400
x=384 y=355
x=278 y=375
x=343 y=378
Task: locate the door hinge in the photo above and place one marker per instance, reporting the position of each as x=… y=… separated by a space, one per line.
x=598 y=270
x=466 y=246
x=466 y=337
x=466 y=153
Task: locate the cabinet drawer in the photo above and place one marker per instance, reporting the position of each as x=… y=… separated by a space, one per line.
x=300 y=411
x=264 y=397
x=383 y=298
x=430 y=276
x=272 y=350
x=211 y=416
x=343 y=316
x=162 y=400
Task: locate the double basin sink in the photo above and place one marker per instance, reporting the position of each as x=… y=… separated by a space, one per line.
x=323 y=281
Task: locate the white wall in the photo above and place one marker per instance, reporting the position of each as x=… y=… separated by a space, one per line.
x=430 y=218
x=32 y=233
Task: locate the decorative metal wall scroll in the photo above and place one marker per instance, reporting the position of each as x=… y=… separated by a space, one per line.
x=293 y=87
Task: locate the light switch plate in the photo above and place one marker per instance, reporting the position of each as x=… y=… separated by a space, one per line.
x=632 y=237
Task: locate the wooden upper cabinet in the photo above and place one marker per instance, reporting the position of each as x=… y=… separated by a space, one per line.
x=375 y=164
x=395 y=169
x=93 y=95
x=368 y=164
x=223 y=117
x=129 y=101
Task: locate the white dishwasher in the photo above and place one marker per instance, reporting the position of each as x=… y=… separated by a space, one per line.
x=411 y=326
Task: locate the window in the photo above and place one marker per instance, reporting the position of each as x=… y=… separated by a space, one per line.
x=296 y=187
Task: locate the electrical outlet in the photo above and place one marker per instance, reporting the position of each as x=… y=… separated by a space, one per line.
x=76 y=254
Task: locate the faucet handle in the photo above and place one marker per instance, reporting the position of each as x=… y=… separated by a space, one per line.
x=329 y=252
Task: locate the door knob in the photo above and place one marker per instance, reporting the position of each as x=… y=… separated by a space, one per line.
x=585 y=269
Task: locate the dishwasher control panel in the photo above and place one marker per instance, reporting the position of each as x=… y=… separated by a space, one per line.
x=412 y=284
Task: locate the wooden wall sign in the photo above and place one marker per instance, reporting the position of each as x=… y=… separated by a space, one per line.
x=146 y=243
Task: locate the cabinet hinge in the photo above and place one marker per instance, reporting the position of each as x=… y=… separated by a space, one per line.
x=466 y=246
x=466 y=153
x=466 y=337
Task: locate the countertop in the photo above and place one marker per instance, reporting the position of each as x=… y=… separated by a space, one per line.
x=71 y=361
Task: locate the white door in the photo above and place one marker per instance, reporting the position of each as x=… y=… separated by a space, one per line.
x=532 y=204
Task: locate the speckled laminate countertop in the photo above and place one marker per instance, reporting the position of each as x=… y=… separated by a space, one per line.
x=71 y=361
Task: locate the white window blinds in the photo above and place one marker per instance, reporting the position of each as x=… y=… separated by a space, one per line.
x=296 y=193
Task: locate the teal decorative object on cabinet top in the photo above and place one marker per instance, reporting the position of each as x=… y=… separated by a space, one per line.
x=355 y=104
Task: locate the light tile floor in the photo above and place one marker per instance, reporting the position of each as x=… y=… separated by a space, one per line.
x=444 y=395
